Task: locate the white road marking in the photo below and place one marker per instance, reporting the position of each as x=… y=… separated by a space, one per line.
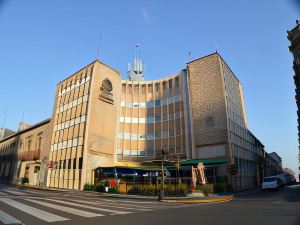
x=89 y=207
x=8 y=219
x=109 y=205
x=65 y=209
x=15 y=192
x=43 y=215
x=2 y=193
x=136 y=202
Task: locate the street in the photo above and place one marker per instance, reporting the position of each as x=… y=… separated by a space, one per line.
x=38 y=207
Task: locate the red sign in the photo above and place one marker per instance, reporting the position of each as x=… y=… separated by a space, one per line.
x=52 y=165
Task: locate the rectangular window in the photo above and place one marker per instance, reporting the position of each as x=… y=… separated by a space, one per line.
x=170 y=84
x=157 y=87
x=157 y=119
x=80 y=163
x=150 y=88
x=143 y=88
x=157 y=135
x=177 y=82
x=157 y=102
x=74 y=164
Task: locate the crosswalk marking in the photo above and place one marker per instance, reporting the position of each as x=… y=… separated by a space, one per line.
x=43 y=215
x=65 y=209
x=15 y=192
x=113 y=203
x=2 y=193
x=109 y=205
x=89 y=207
x=136 y=202
x=8 y=219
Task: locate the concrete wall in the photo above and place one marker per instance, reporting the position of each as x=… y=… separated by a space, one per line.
x=102 y=120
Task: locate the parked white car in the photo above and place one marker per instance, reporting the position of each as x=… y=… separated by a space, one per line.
x=271 y=183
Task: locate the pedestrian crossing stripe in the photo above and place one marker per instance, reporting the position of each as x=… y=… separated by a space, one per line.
x=42 y=215
x=89 y=207
x=8 y=219
x=110 y=205
x=74 y=211
x=15 y=192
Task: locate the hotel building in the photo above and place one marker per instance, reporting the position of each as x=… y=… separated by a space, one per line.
x=197 y=115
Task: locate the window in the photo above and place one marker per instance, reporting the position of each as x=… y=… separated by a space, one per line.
x=164 y=84
x=129 y=88
x=143 y=88
x=29 y=145
x=157 y=102
x=80 y=163
x=177 y=82
x=157 y=87
x=150 y=88
x=171 y=133
x=157 y=135
x=170 y=84
x=39 y=143
x=74 y=164
x=157 y=118
x=165 y=116
x=165 y=134
x=209 y=121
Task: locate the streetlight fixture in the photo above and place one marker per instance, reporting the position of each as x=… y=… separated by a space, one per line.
x=162 y=186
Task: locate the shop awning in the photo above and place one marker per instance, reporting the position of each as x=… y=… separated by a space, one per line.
x=204 y=161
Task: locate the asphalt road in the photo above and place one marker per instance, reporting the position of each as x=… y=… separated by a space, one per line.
x=39 y=207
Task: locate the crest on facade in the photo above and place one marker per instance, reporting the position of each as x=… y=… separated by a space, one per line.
x=106 y=94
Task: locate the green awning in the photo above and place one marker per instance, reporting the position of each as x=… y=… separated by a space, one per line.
x=204 y=161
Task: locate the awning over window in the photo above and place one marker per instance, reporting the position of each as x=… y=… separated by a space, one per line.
x=204 y=161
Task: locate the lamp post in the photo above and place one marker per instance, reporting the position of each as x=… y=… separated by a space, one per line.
x=162 y=186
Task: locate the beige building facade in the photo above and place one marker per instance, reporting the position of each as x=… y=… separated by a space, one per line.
x=101 y=120
x=24 y=154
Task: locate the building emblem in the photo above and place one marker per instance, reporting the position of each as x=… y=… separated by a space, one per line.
x=106 y=94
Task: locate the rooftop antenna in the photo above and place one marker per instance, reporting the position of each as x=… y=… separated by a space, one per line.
x=22 y=121
x=99 y=44
x=190 y=55
x=4 y=118
x=216 y=46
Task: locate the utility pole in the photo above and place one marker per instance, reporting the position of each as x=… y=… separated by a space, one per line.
x=162 y=175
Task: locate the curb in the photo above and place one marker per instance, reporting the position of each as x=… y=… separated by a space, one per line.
x=221 y=199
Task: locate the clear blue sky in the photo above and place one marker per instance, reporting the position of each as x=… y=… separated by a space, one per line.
x=42 y=42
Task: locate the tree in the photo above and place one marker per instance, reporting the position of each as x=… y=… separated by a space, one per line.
x=289 y=171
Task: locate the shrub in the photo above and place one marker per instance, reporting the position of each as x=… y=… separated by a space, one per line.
x=207 y=189
x=114 y=189
x=150 y=189
x=145 y=189
x=99 y=187
x=88 y=187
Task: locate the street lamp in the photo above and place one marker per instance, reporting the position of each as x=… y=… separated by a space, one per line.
x=162 y=186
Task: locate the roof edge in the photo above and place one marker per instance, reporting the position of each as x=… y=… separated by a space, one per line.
x=43 y=122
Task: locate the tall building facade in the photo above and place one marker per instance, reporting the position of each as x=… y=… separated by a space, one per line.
x=196 y=116
x=294 y=37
